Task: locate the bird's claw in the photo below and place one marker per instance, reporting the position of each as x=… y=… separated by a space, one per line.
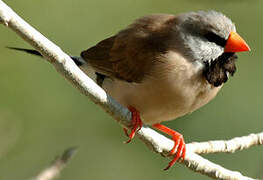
x=178 y=150
x=136 y=124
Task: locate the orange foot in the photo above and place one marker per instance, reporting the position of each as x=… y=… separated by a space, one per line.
x=179 y=144
x=136 y=122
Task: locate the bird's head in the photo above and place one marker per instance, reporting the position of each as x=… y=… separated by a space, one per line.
x=211 y=39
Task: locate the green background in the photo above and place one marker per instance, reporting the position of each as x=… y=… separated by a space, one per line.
x=41 y=114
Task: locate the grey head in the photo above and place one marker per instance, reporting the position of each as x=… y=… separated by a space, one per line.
x=202 y=37
x=203 y=34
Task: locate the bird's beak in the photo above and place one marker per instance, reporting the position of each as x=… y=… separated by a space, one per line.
x=235 y=43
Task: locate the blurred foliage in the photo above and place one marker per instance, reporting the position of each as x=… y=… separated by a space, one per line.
x=41 y=114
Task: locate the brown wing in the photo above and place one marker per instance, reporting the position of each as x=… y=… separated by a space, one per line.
x=130 y=54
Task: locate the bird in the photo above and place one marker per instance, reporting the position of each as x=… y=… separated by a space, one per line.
x=164 y=66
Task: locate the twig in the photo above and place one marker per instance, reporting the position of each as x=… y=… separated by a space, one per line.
x=56 y=166
x=229 y=146
x=63 y=63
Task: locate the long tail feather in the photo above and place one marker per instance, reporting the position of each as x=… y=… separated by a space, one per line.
x=77 y=60
x=30 y=51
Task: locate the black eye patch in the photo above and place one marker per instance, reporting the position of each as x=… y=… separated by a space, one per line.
x=212 y=37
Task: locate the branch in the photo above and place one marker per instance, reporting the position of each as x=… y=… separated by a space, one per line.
x=64 y=65
x=56 y=166
x=229 y=146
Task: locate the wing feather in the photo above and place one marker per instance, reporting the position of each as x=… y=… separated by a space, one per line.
x=129 y=55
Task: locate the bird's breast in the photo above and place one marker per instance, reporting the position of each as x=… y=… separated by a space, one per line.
x=174 y=88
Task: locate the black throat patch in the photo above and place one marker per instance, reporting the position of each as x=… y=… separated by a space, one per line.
x=217 y=71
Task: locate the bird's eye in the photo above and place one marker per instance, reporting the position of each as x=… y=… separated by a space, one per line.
x=212 y=37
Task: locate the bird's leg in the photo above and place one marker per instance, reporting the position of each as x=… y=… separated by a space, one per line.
x=179 y=144
x=136 y=123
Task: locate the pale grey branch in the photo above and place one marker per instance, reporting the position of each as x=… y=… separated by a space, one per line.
x=228 y=146
x=63 y=63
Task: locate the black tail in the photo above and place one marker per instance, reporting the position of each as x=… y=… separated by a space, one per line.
x=29 y=51
x=36 y=53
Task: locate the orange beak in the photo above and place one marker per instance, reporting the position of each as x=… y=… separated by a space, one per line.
x=235 y=43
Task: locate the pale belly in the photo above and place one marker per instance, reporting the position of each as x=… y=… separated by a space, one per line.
x=161 y=100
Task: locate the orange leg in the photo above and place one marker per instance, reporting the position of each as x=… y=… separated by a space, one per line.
x=179 y=144
x=136 y=123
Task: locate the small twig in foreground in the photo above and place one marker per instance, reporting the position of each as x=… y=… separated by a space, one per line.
x=56 y=166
